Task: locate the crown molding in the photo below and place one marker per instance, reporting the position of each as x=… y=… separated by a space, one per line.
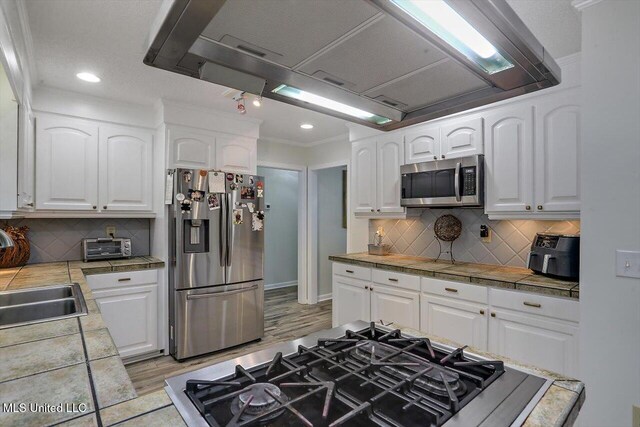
x=583 y=4
x=282 y=141
x=338 y=138
x=28 y=43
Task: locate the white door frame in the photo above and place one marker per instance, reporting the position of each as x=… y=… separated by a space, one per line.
x=312 y=249
x=303 y=286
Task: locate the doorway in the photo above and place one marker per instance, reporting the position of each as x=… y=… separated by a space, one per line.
x=327 y=225
x=285 y=224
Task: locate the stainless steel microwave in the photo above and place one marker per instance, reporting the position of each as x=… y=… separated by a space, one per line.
x=444 y=183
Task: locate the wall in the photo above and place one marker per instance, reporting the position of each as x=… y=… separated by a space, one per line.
x=281 y=227
x=336 y=150
x=274 y=152
x=332 y=238
x=510 y=240
x=59 y=239
x=610 y=305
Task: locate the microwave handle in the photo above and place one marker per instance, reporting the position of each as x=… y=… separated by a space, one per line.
x=457 y=182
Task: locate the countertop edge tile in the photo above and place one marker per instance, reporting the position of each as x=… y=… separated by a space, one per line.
x=479 y=274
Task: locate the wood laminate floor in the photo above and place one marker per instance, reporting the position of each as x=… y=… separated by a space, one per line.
x=284 y=320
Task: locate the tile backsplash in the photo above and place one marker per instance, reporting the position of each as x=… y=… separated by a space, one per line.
x=58 y=239
x=510 y=239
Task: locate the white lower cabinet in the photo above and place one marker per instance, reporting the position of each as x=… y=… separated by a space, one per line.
x=461 y=321
x=129 y=304
x=395 y=305
x=351 y=300
x=530 y=328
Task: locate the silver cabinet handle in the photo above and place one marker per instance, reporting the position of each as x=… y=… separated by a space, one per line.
x=455 y=291
x=392 y=280
x=532 y=304
x=349 y=271
x=222 y=293
x=124 y=279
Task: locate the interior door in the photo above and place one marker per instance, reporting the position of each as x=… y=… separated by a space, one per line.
x=245 y=242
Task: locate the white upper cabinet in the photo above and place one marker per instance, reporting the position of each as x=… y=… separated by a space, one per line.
x=201 y=149
x=422 y=144
x=236 y=154
x=557 y=148
x=533 y=157
x=461 y=137
x=26 y=160
x=509 y=159
x=125 y=168
x=363 y=176
x=66 y=163
x=390 y=155
x=192 y=149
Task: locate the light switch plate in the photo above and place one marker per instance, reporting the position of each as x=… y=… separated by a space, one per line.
x=487 y=239
x=636 y=416
x=628 y=263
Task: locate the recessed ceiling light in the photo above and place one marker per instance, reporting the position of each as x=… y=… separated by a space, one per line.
x=88 y=77
x=306 y=126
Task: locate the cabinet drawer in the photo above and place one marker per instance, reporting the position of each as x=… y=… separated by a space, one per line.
x=456 y=290
x=398 y=280
x=122 y=279
x=355 y=271
x=557 y=307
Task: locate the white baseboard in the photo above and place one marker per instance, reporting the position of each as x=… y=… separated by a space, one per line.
x=324 y=297
x=281 y=285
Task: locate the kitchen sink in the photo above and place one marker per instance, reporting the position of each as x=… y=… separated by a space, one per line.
x=41 y=304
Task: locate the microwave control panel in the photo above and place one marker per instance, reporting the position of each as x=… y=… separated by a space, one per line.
x=469 y=181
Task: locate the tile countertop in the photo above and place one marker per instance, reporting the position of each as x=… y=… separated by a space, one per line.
x=481 y=274
x=559 y=406
x=72 y=362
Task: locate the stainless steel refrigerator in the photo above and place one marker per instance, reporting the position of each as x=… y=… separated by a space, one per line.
x=216 y=288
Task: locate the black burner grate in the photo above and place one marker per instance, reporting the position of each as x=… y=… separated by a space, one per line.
x=368 y=377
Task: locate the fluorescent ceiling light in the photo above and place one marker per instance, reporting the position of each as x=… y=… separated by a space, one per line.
x=306 y=126
x=88 y=77
x=301 y=95
x=442 y=20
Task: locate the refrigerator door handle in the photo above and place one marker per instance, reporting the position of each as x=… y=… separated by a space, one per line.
x=223 y=232
x=229 y=234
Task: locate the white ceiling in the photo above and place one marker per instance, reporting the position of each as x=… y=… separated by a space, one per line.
x=109 y=39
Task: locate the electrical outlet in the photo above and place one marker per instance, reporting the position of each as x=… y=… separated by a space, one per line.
x=110 y=230
x=485 y=234
x=636 y=416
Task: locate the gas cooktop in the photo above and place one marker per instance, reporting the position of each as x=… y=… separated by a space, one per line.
x=357 y=375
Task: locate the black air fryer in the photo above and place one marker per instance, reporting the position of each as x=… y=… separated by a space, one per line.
x=555 y=255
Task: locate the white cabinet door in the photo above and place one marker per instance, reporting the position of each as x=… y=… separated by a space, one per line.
x=395 y=305
x=236 y=154
x=422 y=145
x=192 y=149
x=351 y=300
x=66 y=163
x=557 y=153
x=461 y=137
x=125 y=169
x=130 y=314
x=26 y=160
x=537 y=340
x=509 y=159
x=363 y=178
x=390 y=155
x=461 y=321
